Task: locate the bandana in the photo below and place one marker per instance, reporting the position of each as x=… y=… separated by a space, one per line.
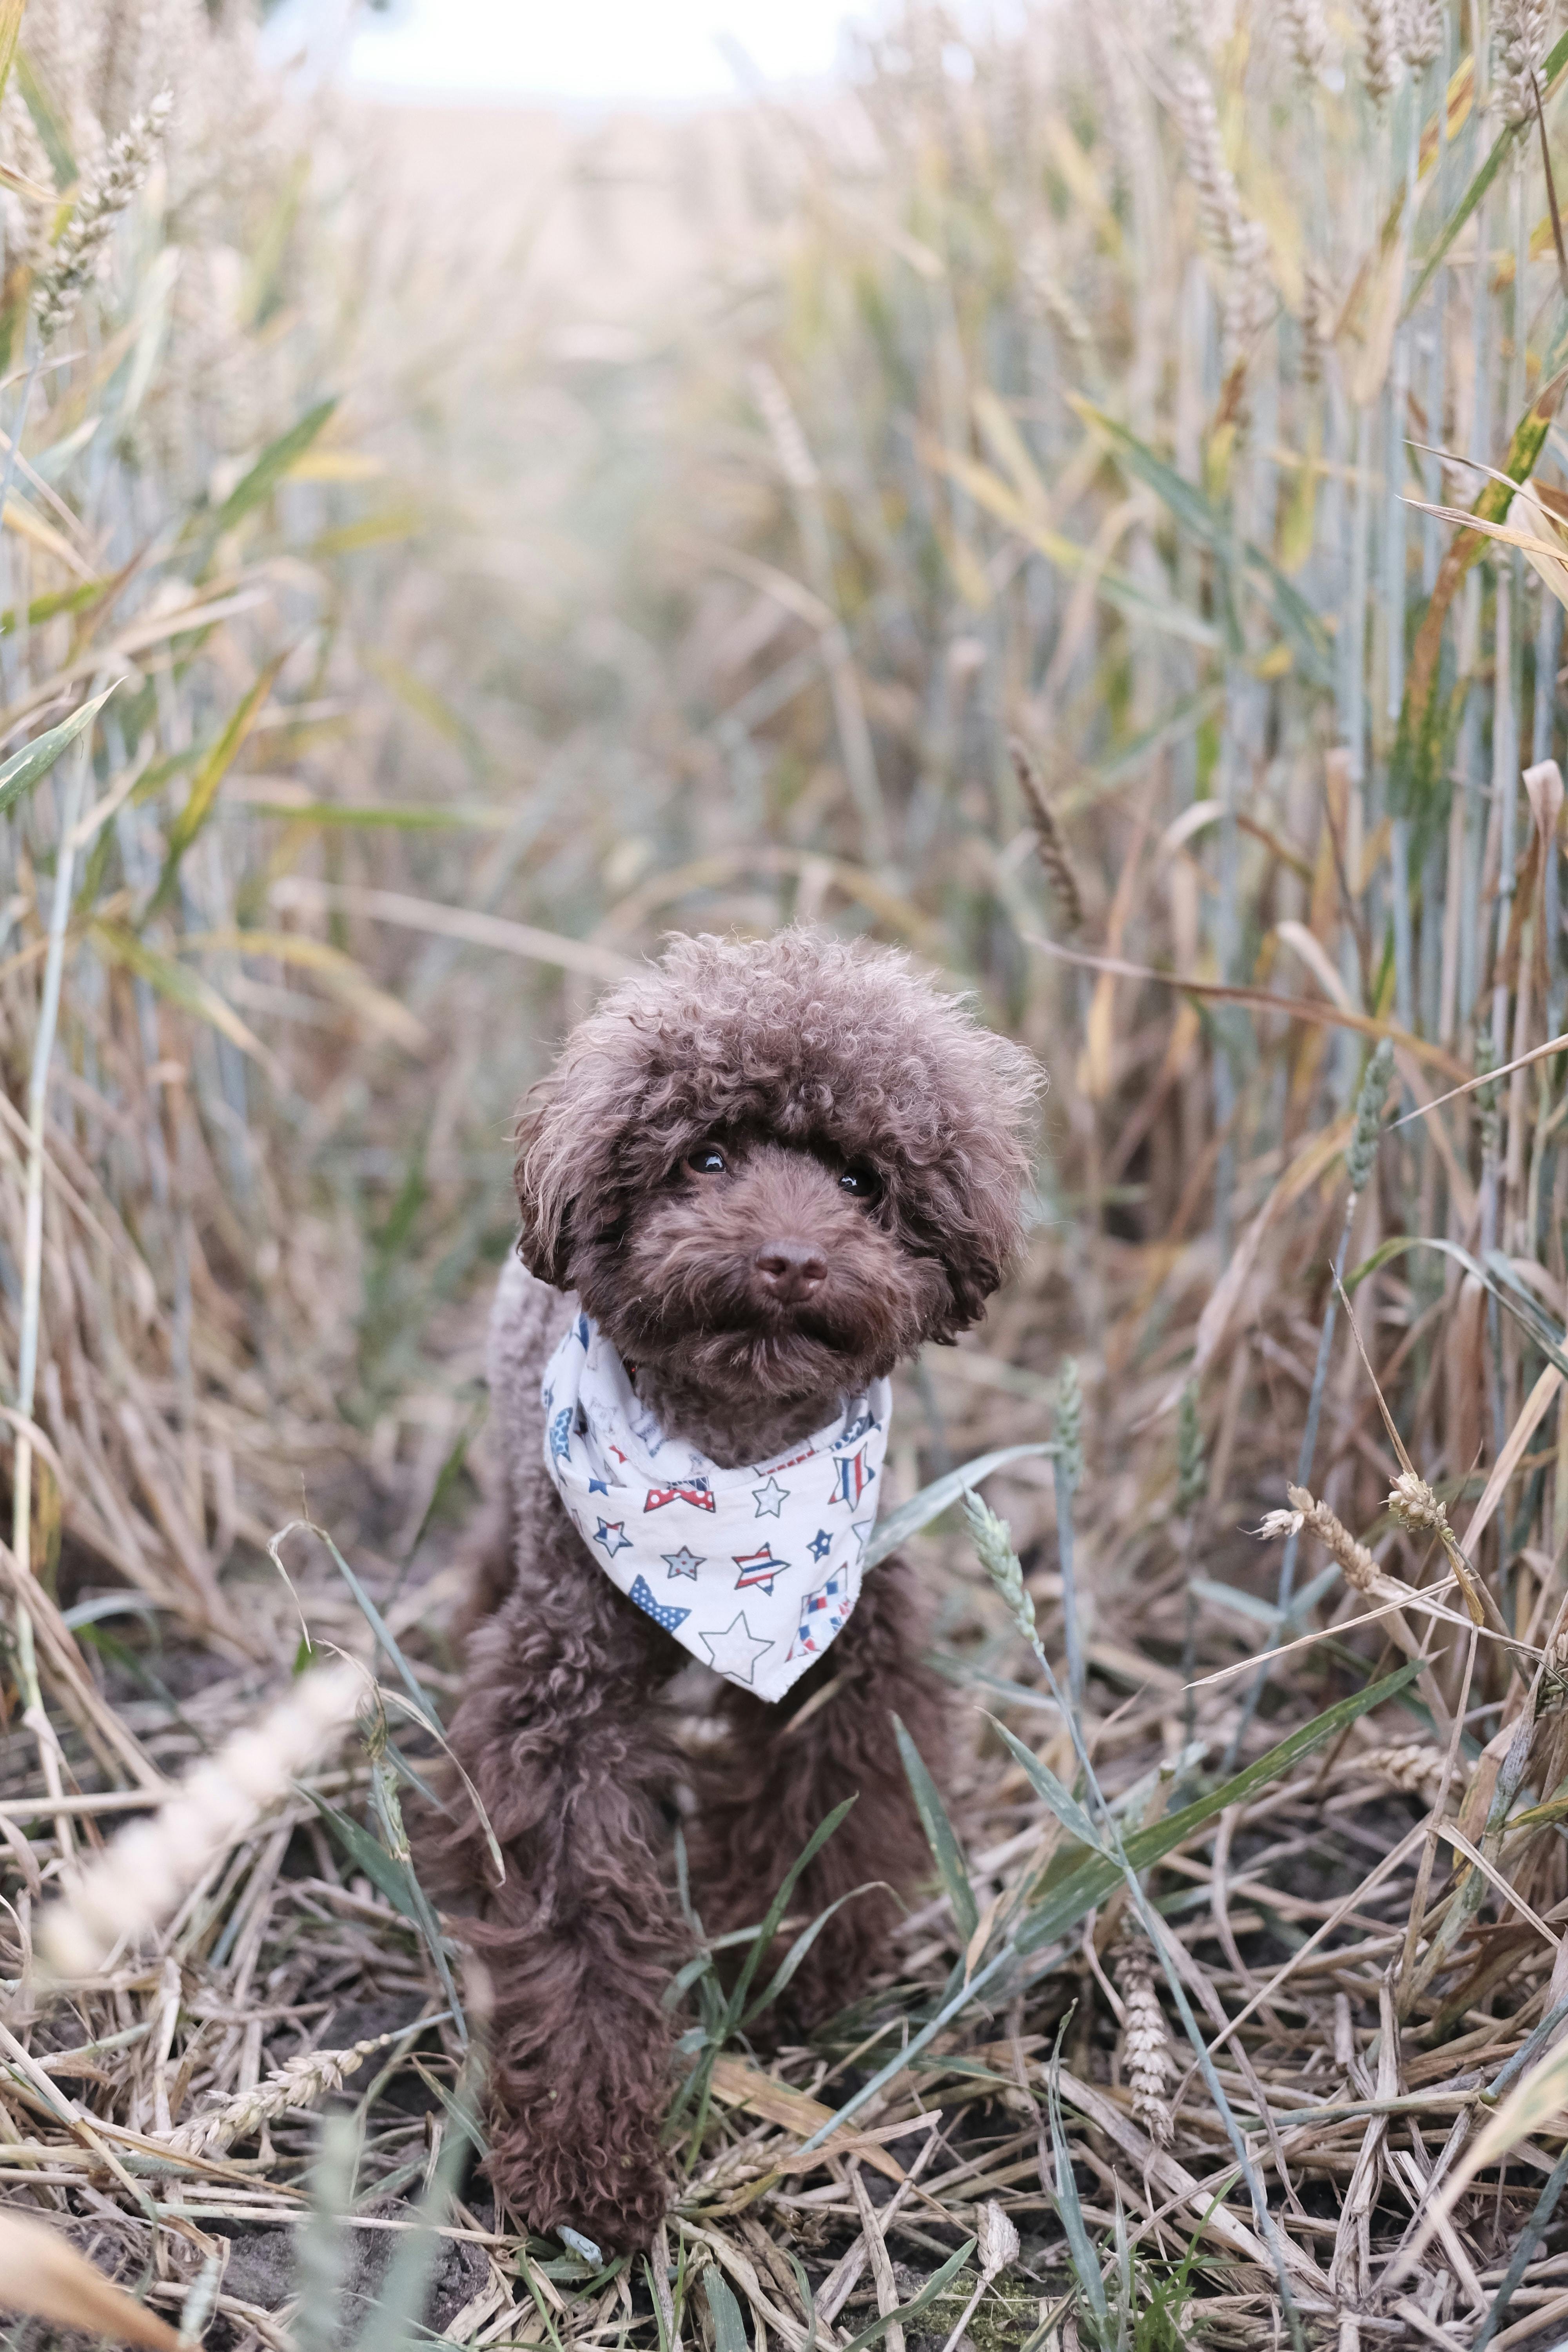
x=754 y=1571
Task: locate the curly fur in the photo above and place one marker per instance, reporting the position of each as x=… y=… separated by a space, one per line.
x=794 y=1093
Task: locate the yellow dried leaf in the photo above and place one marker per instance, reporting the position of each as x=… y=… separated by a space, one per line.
x=741 y=2085
x=44 y=2278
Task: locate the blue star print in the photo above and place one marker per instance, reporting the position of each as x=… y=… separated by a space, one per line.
x=682 y=1562
x=821 y=1544
x=642 y=1593
x=598 y=1485
x=561 y=1434
x=612 y=1536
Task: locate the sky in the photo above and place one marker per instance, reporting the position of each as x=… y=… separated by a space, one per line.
x=590 y=53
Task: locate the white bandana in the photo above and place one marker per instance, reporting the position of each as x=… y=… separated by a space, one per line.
x=753 y=1571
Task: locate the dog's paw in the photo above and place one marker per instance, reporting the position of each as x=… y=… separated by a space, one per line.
x=555 y=2170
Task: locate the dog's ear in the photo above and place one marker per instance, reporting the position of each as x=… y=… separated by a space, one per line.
x=542 y=1176
x=978 y=1212
x=983 y=1242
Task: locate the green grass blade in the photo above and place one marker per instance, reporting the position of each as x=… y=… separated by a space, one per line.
x=1556 y=59
x=934 y=2285
x=959 y=2001
x=48 y=121
x=988 y=489
x=798 y=1950
x=1191 y=509
x=776 y=1909
x=1494 y=1276
x=1088 y=1881
x=412 y=819
x=367 y=1854
x=28 y=766
x=525 y=2272
x=10 y=25
x=1265 y=1613
x=59 y=600
x=1183 y=719
x=1046 y=1786
x=209 y=777
x=808 y=2300
x=1069 y=2209
x=270 y=468
x=1083 y=1884
x=728 y=2327
x=395 y=2321
x=946 y=1851
x=1297 y=622
x=182 y=987
x=324 y=2243
x=377 y=1624
x=1420 y=744
x=1203 y=523
x=932 y=1500
x=401 y=1887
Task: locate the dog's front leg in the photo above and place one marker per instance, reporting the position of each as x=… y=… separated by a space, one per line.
x=787 y=1767
x=556 y=1732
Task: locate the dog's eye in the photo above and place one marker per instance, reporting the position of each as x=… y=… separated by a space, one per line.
x=706 y=1160
x=860 y=1183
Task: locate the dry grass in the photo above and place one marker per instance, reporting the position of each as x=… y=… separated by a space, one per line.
x=1068 y=396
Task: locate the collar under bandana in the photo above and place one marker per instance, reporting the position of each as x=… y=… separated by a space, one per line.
x=753 y=1571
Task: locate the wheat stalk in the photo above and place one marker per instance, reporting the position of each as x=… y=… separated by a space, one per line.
x=1360 y=1567
x=138 y=1880
x=1412 y=1765
x=1381 y=47
x=1521 y=27
x=1308 y=36
x=300 y=2082
x=1420 y=33
x=1049 y=842
x=1149 y=2059
x=1236 y=240
x=75 y=260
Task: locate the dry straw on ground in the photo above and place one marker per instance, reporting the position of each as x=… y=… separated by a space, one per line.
x=1110 y=386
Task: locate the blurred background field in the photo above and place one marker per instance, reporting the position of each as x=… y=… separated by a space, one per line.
x=1007 y=498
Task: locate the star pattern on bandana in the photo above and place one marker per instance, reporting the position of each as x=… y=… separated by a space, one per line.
x=852 y=1474
x=823 y=1613
x=695 y=1491
x=663 y=1612
x=759 y=1614
x=733 y=1649
x=770 y=1499
x=758 y=1568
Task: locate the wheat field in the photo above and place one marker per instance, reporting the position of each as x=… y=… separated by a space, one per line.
x=1086 y=502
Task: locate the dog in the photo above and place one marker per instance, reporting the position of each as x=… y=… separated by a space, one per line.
x=759 y=1177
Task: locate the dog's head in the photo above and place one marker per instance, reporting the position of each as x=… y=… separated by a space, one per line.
x=777 y=1167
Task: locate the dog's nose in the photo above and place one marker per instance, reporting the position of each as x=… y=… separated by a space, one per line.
x=791 y=1270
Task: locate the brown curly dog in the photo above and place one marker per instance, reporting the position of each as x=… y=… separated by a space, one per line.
x=768 y=1171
